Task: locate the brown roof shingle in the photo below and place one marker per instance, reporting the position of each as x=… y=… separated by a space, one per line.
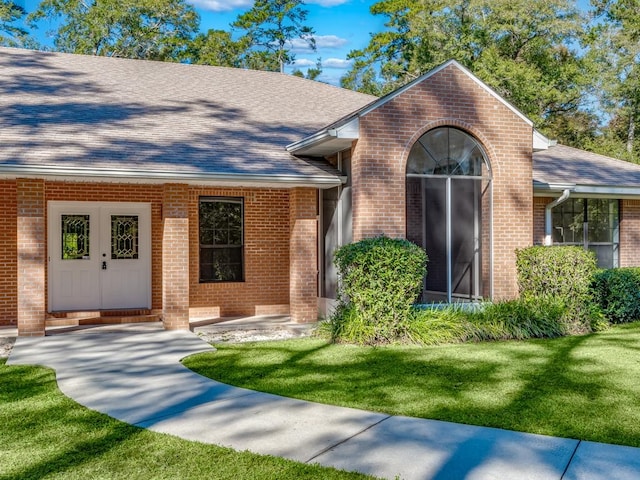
x=75 y=111
x=566 y=165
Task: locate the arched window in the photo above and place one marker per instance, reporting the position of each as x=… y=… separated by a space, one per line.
x=447 y=151
x=449 y=213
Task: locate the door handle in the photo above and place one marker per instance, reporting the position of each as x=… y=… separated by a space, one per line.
x=104 y=265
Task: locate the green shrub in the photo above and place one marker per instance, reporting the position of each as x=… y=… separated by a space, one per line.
x=527 y=317
x=563 y=273
x=617 y=291
x=436 y=326
x=380 y=279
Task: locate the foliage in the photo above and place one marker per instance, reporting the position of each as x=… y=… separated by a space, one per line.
x=437 y=326
x=11 y=34
x=380 y=279
x=617 y=291
x=520 y=319
x=614 y=43
x=520 y=48
x=216 y=47
x=312 y=72
x=562 y=273
x=270 y=28
x=580 y=387
x=143 y=29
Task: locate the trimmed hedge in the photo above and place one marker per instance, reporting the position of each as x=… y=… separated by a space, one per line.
x=564 y=273
x=380 y=279
x=617 y=291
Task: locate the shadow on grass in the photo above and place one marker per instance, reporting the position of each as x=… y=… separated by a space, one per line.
x=46 y=435
x=574 y=387
x=33 y=411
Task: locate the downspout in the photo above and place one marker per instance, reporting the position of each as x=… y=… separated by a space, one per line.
x=548 y=226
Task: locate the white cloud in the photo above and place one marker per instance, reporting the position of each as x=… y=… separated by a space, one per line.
x=336 y=63
x=223 y=5
x=304 y=62
x=298 y=45
x=328 y=3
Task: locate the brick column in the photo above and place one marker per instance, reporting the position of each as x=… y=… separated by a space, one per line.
x=303 y=255
x=31 y=240
x=175 y=257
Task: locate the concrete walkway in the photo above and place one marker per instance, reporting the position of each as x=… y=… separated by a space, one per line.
x=136 y=377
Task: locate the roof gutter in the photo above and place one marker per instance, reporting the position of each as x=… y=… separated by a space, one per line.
x=548 y=226
x=142 y=176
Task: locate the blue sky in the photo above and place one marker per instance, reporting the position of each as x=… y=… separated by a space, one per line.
x=340 y=26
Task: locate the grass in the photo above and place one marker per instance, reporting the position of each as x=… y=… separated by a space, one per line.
x=44 y=434
x=583 y=387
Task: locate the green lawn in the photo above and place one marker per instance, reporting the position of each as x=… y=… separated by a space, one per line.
x=585 y=387
x=43 y=434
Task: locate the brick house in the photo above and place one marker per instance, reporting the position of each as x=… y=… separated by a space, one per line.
x=134 y=188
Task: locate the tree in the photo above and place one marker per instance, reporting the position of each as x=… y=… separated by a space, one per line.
x=216 y=47
x=520 y=48
x=146 y=29
x=615 y=45
x=270 y=27
x=11 y=34
x=312 y=72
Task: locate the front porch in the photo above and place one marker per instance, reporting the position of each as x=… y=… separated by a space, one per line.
x=278 y=269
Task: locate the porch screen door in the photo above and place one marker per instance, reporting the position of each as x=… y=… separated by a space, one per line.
x=99 y=256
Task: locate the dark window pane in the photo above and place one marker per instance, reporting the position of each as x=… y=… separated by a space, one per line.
x=221 y=240
x=602 y=218
x=206 y=236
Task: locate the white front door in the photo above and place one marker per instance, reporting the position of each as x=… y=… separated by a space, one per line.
x=99 y=256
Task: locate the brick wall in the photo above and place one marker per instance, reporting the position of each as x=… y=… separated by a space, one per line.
x=629 y=233
x=31 y=249
x=266 y=253
x=303 y=255
x=175 y=257
x=8 y=254
x=266 y=232
x=539 y=205
x=448 y=98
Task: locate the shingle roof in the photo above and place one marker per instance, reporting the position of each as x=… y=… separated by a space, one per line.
x=566 y=165
x=110 y=114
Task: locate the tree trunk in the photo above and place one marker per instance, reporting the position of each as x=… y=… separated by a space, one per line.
x=631 y=132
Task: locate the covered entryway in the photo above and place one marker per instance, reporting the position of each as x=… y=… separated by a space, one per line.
x=449 y=212
x=99 y=256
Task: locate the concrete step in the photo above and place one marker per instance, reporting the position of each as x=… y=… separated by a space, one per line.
x=71 y=319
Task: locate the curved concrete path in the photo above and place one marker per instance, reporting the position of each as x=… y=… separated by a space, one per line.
x=138 y=378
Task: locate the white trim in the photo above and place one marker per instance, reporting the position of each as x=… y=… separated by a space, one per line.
x=154 y=177
x=585 y=191
x=540 y=142
x=548 y=226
